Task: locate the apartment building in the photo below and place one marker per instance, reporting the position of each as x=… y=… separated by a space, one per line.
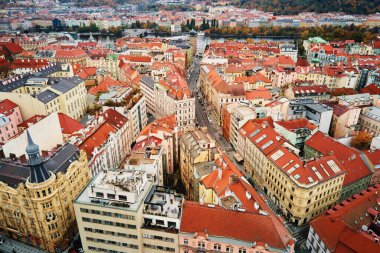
x=315 y=92
x=195 y=147
x=239 y=115
x=53 y=89
x=37 y=195
x=106 y=141
x=290 y=50
x=123 y=211
x=355 y=229
x=358 y=169
x=147 y=88
x=170 y=96
x=10 y=117
x=302 y=189
x=109 y=63
x=209 y=228
x=344 y=121
x=161 y=134
x=296 y=131
x=369 y=120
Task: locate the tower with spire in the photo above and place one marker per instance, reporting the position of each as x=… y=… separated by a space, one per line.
x=38 y=171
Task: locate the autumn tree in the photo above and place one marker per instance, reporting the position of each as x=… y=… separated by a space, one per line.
x=362 y=140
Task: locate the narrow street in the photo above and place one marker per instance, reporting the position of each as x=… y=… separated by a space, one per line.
x=202 y=118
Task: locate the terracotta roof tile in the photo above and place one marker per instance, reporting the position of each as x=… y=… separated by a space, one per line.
x=249 y=227
x=68 y=124
x=350 y=159
x=340 y=228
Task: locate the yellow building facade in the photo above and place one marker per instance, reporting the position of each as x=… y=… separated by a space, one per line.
x=40 y=211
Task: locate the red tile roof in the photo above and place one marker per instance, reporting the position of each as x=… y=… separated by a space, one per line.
x=296 y=124
x=28 y=63
x=245 y=226
x=114 y=118
x=373 y=156
x=225 y=169
x=85 y=72
x=253 y=79
x=104 y=85
x=257 y=94
x=68 y=124
x=312 y=89
x=262 y=135
x=11 y=47
x=372 y=89
x=6 y=106
x=318 y=170
x=97 y=139
x=340 y=228
x=135 y=58
x=267 y=120
x=349 y=158
x=70 y=53
x=166 y=124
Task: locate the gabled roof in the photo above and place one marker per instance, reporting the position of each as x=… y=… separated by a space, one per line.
x=223 y=223
x=104 y=86
x=12 y=47
x=258 y=93
x=350 y=158
x=372 y=89
x=311 y=89
x=68 y=124
x=341 y=228
x=262 y=136
x=296 y=124
x=114 y=118
x=6 y=106
x=97 y=138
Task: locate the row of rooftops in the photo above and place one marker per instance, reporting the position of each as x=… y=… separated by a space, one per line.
x=337 y=159
x=353 y=225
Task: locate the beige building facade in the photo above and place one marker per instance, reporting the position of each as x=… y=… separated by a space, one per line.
x=38 y=209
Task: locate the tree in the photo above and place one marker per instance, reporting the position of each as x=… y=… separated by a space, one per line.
x=362 y=140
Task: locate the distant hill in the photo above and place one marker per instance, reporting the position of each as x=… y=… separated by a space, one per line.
x=284 y=7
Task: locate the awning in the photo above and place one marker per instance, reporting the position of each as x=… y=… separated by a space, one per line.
x=238 y=157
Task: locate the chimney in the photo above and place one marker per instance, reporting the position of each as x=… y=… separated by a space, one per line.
x=232 y=179
x=220 y=173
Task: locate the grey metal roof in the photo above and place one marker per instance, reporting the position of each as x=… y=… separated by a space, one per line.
x=16 y=172
x=46 y=96
x=148 y=81
x=65 y=84
x=19 y=81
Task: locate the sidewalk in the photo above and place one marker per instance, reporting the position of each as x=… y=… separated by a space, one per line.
x=19 y=247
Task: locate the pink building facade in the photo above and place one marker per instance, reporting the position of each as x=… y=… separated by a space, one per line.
x=10 y=117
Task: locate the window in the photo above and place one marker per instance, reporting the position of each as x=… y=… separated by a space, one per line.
x=99 y=194
x=242 y=250
x=84 y=210
x=229 y=249
x=217 y=247
x=185 y=241
x=107 y=214
x=122 y=197
x=201 y=245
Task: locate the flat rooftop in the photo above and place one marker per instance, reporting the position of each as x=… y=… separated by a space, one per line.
x=163 y=202
x=122 y=181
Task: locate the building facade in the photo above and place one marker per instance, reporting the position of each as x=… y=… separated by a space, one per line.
x=37 y=199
